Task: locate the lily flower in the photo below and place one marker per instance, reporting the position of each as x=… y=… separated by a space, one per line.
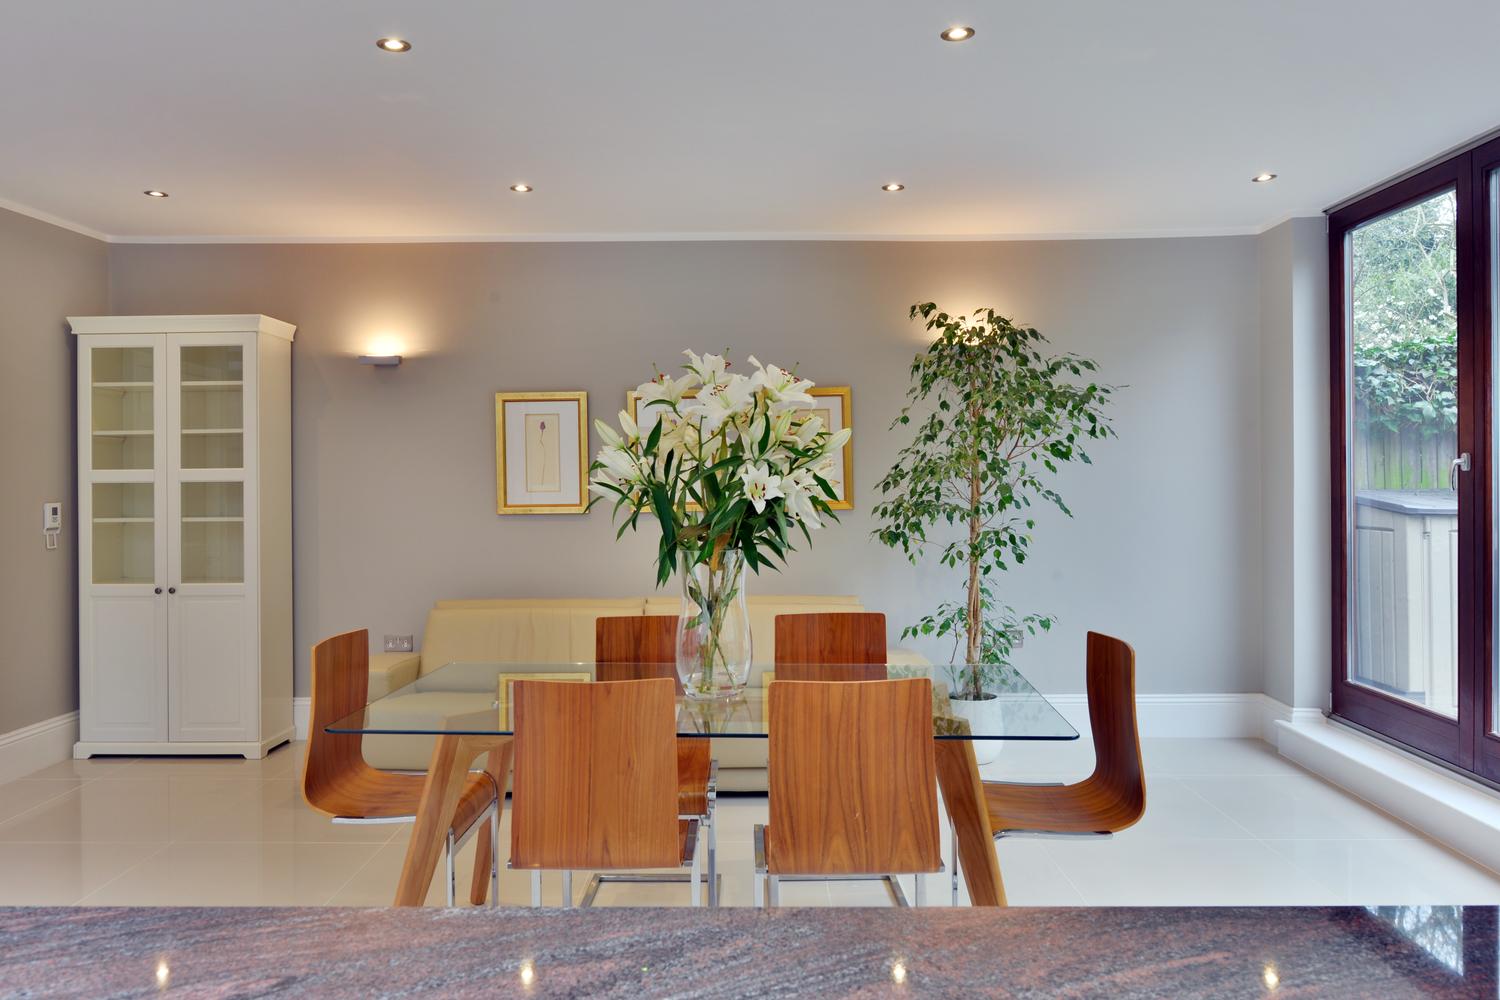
x=760 y=485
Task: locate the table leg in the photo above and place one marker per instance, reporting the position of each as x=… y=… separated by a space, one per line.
x=451 y=756
x=963 y=794
x=498 y=769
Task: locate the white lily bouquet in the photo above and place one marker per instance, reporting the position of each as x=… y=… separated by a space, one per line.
x=731 y=466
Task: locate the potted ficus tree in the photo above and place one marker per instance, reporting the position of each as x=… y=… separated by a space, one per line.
x=994 y=419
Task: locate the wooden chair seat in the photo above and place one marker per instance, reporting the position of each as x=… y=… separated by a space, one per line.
x=693 y=768
x=1114 y=796
x=853 y=783
x=376 y=794
x=639 y=647
x=1090 y=806
x=337 y=782
x=831 y=646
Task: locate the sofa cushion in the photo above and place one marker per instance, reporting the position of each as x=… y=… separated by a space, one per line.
x=517 y=632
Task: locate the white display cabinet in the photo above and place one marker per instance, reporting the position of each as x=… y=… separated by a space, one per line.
x=185 y=534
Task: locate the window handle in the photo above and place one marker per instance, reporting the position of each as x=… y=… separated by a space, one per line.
x=1459 y=464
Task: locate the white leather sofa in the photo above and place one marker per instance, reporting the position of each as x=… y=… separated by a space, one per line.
x=524 y=630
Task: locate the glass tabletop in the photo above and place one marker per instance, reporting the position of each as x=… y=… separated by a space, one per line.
x=475 y=699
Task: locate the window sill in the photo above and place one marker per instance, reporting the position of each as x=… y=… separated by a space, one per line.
x=1462 y=815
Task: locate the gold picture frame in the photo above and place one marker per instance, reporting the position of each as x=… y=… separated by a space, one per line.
x=841 y=406
x=541 y=480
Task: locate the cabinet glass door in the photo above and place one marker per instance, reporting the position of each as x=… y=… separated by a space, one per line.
x=212 y=415
x=122 y=402
x=213 y=532
x=122 y=501
x=210 y=426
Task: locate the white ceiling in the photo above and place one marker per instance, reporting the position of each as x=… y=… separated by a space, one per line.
x=280 y=118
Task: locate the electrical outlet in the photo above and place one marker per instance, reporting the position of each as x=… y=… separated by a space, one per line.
x=398 y=644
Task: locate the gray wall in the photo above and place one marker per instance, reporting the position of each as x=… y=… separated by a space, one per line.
x=1294 y=461
x=394 y=470
x=46 y=273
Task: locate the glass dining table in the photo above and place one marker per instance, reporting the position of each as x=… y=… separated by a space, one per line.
x=465 y=710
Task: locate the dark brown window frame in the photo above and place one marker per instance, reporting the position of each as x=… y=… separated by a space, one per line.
x=1465 y=743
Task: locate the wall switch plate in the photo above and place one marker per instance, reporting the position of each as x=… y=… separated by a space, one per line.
x=398 y=644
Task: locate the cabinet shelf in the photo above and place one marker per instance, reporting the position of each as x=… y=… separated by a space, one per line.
x=123 y=434
x=213 y=430
x=121 y=385
x=124 y=520
x=213 y=520
x=221 y=384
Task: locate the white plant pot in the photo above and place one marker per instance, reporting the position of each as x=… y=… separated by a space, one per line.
x=986 y=716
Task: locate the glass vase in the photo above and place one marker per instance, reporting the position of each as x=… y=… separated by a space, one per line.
x=713 y=628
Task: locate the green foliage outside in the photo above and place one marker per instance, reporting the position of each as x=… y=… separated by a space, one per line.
x=1405 y=346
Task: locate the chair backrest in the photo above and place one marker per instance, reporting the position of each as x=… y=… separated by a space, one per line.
x=1117 y=740
x=853 y=639
x=340 y=684
x=595 y=776
x=635 y=647
x=853 y=783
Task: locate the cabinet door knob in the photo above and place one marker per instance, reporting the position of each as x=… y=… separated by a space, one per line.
x=171 y=590
x=158 y=590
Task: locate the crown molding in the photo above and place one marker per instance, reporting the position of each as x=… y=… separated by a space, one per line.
x=651 y=237
x=54 y=220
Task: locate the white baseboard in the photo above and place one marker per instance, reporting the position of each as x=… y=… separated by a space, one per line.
x=301 y=712
x=1248 y=715
x=34 y=747
x=1242 y=716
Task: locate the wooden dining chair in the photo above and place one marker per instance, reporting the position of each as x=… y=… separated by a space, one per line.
x=337 y=782
x=852 y=786
x=846 y=646
x=1110 y=799
x=596 y=782
x=635 y=647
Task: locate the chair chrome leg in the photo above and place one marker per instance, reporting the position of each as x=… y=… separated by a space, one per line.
x=953 y=855
x=919 y=893
x=773 y=890
x=536 y=889
x=713 y=864
x=452 y=879
x=758 y=890
x=495 y=859
x=898 y=895
x=567 y=889
x=697 y=880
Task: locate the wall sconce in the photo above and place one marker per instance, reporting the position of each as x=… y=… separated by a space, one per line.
x=380 y=360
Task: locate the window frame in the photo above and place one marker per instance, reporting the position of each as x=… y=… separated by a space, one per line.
x=1451 y=741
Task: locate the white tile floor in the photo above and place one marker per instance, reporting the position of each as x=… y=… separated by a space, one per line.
x=1229 y=822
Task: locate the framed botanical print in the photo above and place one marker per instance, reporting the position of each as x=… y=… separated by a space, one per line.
x=541 y=452
x=833 y=403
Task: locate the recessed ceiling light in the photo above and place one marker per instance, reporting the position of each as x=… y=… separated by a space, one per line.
x=521 y=188
x=893 y=187
x=393 y=45
x=1262 y=178
x=958 y=33
x=154 y=194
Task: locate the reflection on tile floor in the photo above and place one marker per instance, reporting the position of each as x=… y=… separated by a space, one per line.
x=1228 y=822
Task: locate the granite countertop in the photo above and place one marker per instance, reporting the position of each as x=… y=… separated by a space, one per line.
x=1162 y=952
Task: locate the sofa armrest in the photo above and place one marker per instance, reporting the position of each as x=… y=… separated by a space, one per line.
x=898 y=656
x=389 y=671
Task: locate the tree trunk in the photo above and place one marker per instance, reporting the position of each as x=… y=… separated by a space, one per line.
x=976 y=612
